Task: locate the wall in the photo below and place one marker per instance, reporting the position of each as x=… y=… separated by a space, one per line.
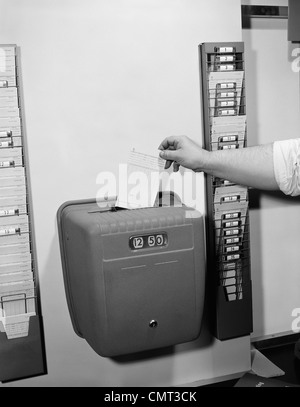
x=273 y=114
x=99 y=77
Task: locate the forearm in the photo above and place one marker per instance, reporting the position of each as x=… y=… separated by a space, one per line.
x=251 y=166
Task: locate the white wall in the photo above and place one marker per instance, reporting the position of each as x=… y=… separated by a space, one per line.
x=99 y=77
x=273 y=114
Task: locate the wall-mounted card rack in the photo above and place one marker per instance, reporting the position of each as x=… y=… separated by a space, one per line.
x=22 y=348
x=222 y=74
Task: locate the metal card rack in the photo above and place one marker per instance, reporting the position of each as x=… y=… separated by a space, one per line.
x=22 y=345
x=222 y=81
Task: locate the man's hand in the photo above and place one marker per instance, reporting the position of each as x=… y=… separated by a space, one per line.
x=180 y=150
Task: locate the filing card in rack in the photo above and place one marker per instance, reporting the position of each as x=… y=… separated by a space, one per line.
x=9 y=112
x=9 y=182
x=14 y=240
x=15 y=258
x=10 y=126
x=12 y=225
x=10 y=142
x=10 y=158
x=8 y=97
x=15 y=267
x=15 y=248
x=230 y=223
x=15 y=205
x=233 y=194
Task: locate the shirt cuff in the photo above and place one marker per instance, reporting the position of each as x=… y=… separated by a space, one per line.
x=286 y=158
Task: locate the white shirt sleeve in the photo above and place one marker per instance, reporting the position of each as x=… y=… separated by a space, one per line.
x=286 y=157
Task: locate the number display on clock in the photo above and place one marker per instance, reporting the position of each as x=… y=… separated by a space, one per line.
x=148 y=241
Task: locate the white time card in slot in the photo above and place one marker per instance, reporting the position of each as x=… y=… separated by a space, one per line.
x=7 y=67
x=12 y=172
x=12 y=182
x=8 y=93
x=226 y=67
x=226 y=103
x=227 y=112
x=229 y=282
x=15 y=258
x=226 y=85
x=6 y=132
x=231 y=249
x=232 y=257
x=13 y=191
x=14 y=225
x=15 y=210
x=225 y=50
x=8 y=102
x=8 y=123
x=8 y=212
x=232 y=240
x=11 y=157
x=225 y=58
x=13 y=202
x=230 y=194
x=10 y=154
x=15 y=267
x=15 y=240
x=15 y=248
x=22 y=220
x=229 y=147
x=8 y=81
x=16 y=277
x=3 y=83
x=232 y=232
x=9 y=112
x=232 y=215
x=6 y=143
x=8 y=51
x=226 y=95
x=229 y=274
x=10 y=142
